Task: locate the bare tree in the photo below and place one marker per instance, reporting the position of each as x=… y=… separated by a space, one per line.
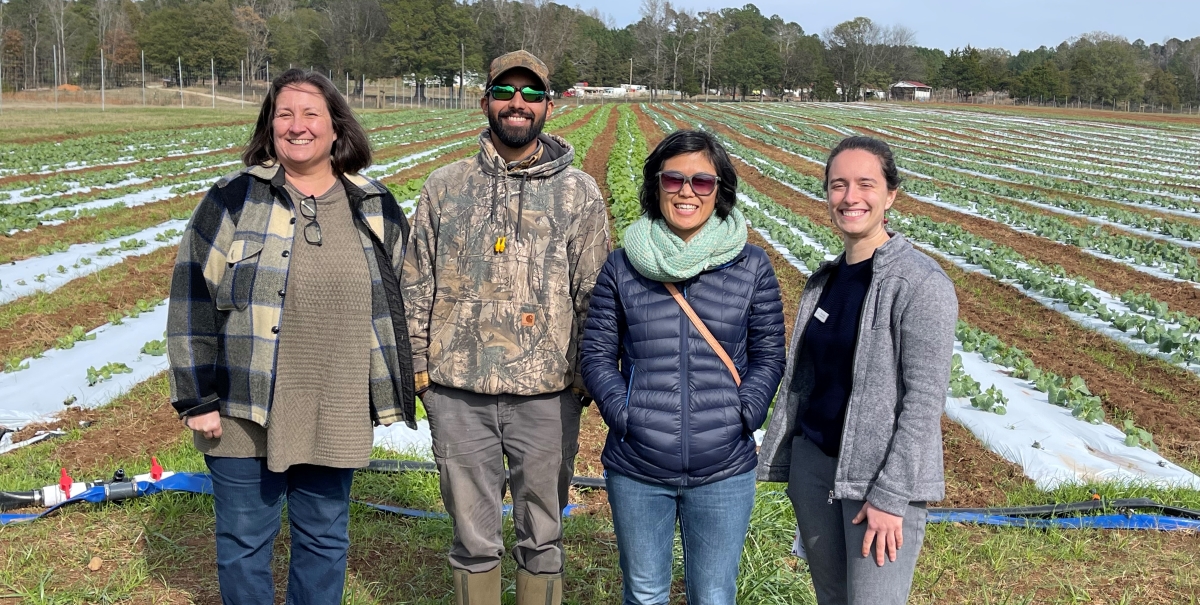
x=710 y=33
x=57 y=10
x=855 y=48
x=682 y=25
x=352 y=28
x=548 y=30
x=254 y=26
x=787 y=40
x=1193 y=62
x=651 y=33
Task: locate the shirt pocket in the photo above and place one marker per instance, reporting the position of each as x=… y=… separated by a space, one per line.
x=880 y=302
x=237 y=285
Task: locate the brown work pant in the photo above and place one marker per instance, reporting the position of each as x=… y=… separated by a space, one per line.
x=472 y=436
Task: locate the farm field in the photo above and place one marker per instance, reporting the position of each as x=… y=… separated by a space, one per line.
x=1073 y=243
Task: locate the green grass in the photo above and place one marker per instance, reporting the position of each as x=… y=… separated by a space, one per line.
x=160 y=548
x=22 y=123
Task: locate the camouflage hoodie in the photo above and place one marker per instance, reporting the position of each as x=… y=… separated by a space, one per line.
x=492 y=318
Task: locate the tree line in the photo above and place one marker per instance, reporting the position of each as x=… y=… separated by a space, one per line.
x=731 y=51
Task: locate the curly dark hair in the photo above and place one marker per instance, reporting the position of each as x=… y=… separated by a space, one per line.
x=351 y=151
x=679 y=143
x=874 y=146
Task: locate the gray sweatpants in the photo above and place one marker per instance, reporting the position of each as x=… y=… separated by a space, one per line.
x=841 y=575
x=472 y=436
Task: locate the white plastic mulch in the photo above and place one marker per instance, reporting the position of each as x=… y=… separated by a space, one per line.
x=1068 y=450
x=21 y=277
x=36 y=394
x=1052 y=446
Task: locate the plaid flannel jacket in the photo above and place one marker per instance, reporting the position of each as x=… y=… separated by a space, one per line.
x=227 y=297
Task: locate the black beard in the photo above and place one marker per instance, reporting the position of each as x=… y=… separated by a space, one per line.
x=515 y=137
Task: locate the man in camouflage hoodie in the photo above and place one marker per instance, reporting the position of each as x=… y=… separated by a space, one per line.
x=504 y=250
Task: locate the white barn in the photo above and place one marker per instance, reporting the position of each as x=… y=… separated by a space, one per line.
x=909 y=90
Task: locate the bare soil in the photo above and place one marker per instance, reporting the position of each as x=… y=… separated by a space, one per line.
x=1159 y=397
x=1095 y=115
x=395 y=151
x=115 y=288
x=1111 y=276
x=140 y=425
x=24 y=244
x=596 y=162
x=1143 y=210
x=33 y=179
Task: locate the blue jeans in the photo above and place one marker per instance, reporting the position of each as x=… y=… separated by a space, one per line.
x=248 y=500
x=713 y=520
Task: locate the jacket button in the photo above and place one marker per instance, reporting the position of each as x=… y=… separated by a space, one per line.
x=274 y=329
x=293 y=221
x=281 y=291
x=286 y=254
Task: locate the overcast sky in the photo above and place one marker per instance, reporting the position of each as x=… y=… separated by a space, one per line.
x=946 y=24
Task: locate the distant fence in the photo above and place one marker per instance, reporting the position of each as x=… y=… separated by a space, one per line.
x=47 y=82
x=52 y=81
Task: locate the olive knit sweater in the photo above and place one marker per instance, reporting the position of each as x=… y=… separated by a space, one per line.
x=320 y=411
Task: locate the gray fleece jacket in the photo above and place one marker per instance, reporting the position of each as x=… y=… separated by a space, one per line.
x=891 y=448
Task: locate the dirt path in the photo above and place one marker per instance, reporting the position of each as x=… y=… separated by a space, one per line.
x=596 y=162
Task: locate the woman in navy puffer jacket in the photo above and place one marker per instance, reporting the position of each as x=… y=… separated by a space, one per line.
x=680 y=443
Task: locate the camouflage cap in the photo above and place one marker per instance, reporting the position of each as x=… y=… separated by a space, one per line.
x=523 y=59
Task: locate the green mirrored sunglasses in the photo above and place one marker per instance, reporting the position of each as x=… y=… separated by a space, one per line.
x=506 y=93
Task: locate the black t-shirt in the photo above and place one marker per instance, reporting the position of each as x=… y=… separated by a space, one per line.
x=829 y=341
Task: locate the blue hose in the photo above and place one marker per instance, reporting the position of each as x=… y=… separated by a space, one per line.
x=196 y=483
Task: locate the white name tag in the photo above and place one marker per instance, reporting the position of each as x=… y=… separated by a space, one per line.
x=821 y=315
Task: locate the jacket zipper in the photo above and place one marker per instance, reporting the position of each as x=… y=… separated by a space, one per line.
x=862 y=319
x=684 y=333
x=628 y=392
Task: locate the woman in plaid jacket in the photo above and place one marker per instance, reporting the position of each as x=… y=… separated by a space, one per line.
x=286 y=338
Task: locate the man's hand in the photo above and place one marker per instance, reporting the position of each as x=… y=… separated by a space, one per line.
x=885 y=529
x=582 y=395
x=208 y=425
x=421 y=382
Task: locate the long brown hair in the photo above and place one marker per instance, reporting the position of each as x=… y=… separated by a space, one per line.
x=351 y=151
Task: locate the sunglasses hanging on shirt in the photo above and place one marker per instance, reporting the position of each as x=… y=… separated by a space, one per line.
x=312 y=231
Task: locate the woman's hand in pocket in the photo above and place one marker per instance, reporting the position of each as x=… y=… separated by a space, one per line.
x=208 y=425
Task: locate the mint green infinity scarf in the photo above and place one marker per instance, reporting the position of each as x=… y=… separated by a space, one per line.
x=658 y=254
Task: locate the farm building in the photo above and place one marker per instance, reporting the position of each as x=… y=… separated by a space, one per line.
x=911 y=91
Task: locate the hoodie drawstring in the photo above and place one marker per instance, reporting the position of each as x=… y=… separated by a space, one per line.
x=521 y=203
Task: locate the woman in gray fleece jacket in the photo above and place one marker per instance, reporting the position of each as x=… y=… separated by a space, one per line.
x=856 y=431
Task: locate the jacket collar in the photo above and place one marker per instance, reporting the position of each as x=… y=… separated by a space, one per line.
x=557 y=155
x=357 y=186
x=892 y=249
x=359 y=190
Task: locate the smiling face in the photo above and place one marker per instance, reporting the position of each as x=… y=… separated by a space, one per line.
x=684 y=211
x=858 y=195
x=515 y=124
x=302 y=129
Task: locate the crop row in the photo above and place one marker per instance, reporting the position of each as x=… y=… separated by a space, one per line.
x=1140 y=251
x=623 y=170
x=106 y=149
x=1080 y=179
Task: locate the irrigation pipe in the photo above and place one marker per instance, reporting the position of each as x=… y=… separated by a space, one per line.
x=1121 y=511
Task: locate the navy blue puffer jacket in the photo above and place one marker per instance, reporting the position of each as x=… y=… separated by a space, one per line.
x=674 y=412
